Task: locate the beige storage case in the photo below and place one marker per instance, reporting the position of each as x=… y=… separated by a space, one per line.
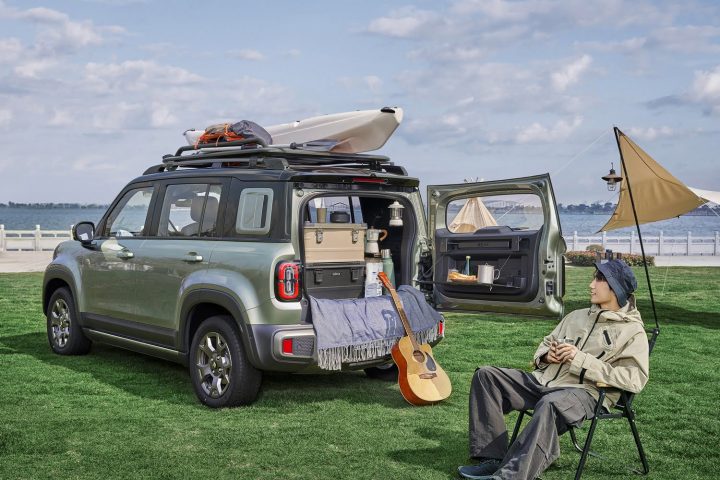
x=334 y=242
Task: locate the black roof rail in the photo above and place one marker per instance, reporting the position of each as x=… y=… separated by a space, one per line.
x=155 y=169
x=254 y=153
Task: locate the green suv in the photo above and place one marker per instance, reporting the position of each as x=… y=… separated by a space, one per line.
x=203 y=259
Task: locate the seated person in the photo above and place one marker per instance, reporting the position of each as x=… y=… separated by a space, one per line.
x=604 y=343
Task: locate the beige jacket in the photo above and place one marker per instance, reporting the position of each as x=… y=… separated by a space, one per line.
x=613 y=349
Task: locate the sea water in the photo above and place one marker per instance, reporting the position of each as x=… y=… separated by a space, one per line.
x=583 y=224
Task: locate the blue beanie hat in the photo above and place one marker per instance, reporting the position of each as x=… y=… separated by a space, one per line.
x=620 y=277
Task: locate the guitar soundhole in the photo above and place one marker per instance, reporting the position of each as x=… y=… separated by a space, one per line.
x=420 y=357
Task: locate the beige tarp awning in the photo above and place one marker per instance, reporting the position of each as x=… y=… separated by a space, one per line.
x=709 y=195
x=657 y=193
x=472 y=216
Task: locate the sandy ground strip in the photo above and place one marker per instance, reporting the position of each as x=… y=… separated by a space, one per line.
x=16 y=262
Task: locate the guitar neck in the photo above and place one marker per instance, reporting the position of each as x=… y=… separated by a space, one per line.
x=399 y=307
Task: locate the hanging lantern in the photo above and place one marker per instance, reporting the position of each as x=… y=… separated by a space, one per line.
x=396 y=214
x=612 y=178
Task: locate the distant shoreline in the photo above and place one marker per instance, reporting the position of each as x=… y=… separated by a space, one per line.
x=582 y=209
x=690 y=214
x=54 y=206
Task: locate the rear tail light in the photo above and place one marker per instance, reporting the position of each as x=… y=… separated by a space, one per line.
x=287 y=282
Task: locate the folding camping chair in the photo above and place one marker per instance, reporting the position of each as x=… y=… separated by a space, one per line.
x=624 y=410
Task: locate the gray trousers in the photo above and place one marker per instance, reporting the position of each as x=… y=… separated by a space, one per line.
x=498 y=391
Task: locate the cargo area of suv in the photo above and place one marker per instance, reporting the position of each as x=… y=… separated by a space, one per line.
x=355 y=237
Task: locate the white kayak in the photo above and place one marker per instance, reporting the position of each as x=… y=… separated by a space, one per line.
x=349 y=132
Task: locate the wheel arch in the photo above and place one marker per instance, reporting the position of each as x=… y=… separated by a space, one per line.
x=202 y=304
x=56 y=278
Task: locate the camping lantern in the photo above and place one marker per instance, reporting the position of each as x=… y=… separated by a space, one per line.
x=612 y=178
x=396 y=214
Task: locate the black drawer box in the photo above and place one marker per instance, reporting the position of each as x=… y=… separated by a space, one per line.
x=335 y=280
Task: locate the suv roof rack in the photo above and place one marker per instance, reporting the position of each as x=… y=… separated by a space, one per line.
x=236 y=154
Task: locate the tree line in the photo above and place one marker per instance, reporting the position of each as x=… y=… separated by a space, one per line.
x=609 y=207
x=51 y=205
x=582 y=208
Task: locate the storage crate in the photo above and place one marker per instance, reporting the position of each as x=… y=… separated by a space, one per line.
x=335 y=280
x=334 y=242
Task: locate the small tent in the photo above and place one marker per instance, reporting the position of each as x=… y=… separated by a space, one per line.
x=472 y=216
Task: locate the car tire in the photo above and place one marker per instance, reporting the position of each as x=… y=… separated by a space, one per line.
x=387 y=372
x=64 y=333
x=220 y=372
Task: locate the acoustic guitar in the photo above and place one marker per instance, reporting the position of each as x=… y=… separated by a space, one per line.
x=421 y=380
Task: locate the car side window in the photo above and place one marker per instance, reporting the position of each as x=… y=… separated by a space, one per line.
x=189 y=210
x=128 y=217
x=254 y=211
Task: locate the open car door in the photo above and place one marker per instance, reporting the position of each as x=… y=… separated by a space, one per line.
x=512 y=226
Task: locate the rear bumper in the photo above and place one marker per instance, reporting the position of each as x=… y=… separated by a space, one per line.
x=270 y=356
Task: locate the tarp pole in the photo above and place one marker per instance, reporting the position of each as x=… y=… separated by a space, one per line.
x=637 y=225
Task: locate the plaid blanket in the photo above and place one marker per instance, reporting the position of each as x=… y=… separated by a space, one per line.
x=356 y=330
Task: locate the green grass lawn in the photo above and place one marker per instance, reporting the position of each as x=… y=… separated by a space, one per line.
x=117 y=414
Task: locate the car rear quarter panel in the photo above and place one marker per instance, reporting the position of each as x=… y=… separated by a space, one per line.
x=246 y=272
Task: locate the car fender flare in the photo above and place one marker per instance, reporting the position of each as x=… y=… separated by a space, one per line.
x=226 y=301
x=60 y=272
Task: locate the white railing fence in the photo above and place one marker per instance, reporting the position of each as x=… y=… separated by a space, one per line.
x=32 y=240
x=47 y=240
x=658 y=245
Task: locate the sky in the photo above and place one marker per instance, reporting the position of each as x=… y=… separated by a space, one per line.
x=92 y=92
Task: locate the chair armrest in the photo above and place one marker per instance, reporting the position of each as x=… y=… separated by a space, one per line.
x=626 y=397
x=605 y=386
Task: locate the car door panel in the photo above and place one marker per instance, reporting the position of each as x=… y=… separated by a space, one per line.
x=512 y=253
x=168 y=269
x=111 y=273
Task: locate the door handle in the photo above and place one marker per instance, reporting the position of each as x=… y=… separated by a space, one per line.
x=193 y=257
x=125 y=254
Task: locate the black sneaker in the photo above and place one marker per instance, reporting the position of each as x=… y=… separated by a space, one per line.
x=480 y=471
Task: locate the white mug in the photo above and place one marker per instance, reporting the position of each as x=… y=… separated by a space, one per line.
x=487 y=274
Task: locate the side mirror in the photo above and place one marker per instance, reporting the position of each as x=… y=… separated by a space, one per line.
x=84 y=232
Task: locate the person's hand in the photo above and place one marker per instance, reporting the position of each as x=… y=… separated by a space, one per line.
x=566 y=352
x=552 y=356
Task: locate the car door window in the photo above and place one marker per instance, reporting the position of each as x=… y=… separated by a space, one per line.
x=517 y=212
x=190 y=210
x=128 y=218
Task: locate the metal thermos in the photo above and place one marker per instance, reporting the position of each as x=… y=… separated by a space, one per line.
x=388 y=266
